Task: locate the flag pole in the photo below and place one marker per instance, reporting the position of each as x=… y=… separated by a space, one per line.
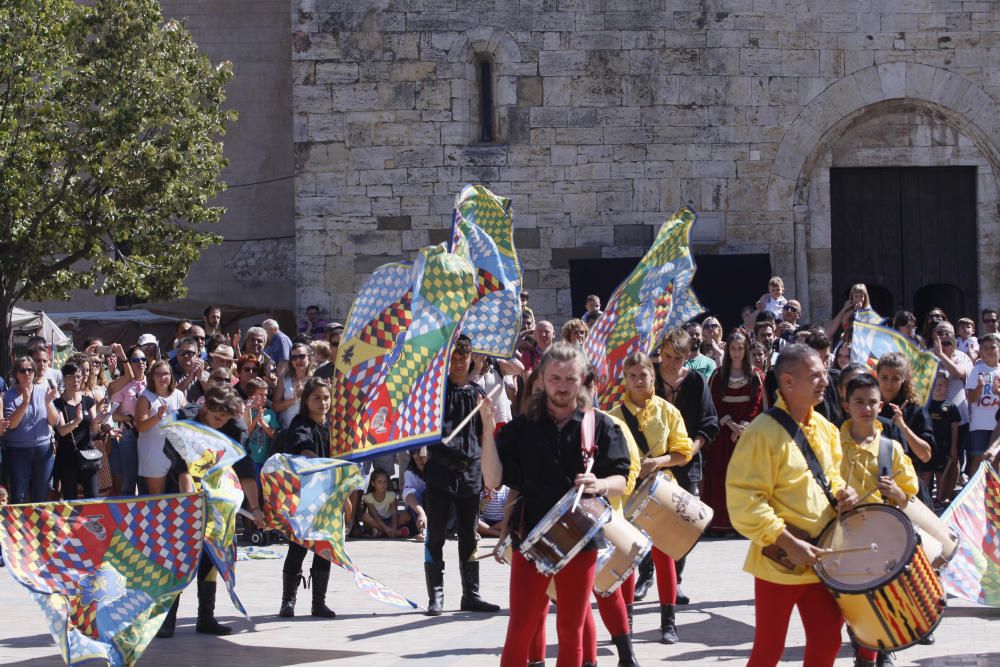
x=458 y=429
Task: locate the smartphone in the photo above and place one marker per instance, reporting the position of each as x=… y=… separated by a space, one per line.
x=103 y=349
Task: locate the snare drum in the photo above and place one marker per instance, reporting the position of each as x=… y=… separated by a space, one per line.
x=938 y=541
x=626 y=546
x=890 y=598
x=563 y=532
x=673 y=518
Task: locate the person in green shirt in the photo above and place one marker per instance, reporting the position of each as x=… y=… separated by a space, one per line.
x=701 y=364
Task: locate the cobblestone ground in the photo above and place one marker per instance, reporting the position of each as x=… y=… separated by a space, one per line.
x=716 y=628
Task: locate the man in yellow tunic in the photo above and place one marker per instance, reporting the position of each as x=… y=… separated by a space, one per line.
x=777 y=502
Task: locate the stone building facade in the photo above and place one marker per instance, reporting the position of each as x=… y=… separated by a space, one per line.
x=606 y=115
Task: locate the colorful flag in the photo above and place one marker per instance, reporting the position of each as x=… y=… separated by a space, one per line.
x=483 y=230
x=654 y=298
x=868 y=315
x=393 y=359
x=210 y=456
x=870 y=341
x=974 y=572
x=104 y=572
x=304 y=499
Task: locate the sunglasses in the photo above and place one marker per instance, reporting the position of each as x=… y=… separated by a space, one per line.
x=792 y=309
x=186 y=353
x=296 y=357
x=248 y=369
x=993 y=321
x=711 y=325
x=26 y=371
x=138 y=360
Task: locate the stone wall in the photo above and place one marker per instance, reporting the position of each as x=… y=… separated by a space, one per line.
x=611 y=114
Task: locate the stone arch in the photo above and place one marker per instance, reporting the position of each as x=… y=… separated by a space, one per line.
x=856 y=98
x=499 y=46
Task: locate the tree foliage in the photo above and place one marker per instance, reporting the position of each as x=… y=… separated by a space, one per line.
x=110 y=150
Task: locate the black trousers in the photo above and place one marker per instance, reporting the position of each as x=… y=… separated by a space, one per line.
x=438 y=505
x=297 y=554
x=70 y=475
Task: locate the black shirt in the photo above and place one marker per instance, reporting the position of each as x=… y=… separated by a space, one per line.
x=918 y=420
x=541 y=461
x=694 y=400
x=305 y=434
x=456 y=467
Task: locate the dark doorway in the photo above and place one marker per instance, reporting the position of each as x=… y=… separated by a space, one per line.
x=723 y=283
x=909 y=233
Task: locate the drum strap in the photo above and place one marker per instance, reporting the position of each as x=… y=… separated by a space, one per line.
x=884 y=456
x=633 y=426
x=815 y=468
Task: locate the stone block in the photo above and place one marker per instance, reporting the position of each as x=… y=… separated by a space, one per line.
x=800 y=62
x=367 y=263
x=339 y=73
x=562 y=63
x=597 y=91
x=526 y=238
x=765 y=62
x=561 y=257
x=557 y=90
x=393 y=223
x=547 y=116
x=529 y=91
x=614 y=201
x=633 y=235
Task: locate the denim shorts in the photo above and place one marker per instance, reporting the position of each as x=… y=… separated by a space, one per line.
x=979 y=442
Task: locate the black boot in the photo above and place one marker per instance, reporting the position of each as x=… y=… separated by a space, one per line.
x=537 y=663
x=434 y=574
x=626 y=656
x=885 y=659
x=630 y=610
x=170 y=622
x=320 y=580
x=645 y=577
x=668 y=625
x=681 y=598
x=470 y=590
x=289 y=587
x=207 y=625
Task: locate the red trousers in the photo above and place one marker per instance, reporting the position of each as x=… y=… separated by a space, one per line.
x=666 y=577
x=529 y=604
x=820 y=615
x=614 y=613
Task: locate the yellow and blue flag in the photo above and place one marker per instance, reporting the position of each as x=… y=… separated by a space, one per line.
x=870 y=341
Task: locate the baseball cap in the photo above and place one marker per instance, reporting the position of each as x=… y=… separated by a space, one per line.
x=147 y=339
x=334 y=326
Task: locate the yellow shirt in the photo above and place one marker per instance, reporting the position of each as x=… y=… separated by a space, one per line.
x=663 y=426
x=769 y=483
x=860 y=465
x=635 y=460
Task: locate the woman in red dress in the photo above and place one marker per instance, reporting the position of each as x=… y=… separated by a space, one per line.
x=738 y=393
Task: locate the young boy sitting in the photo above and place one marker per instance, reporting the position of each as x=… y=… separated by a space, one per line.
x=774 y=301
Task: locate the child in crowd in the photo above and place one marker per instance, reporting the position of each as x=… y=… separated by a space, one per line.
x=263 y=424
x=491 y=515
x=981 y=392
x=774 y=301
x=945 y=419
x=414 y=488
x=967 y=341
x=381 y=515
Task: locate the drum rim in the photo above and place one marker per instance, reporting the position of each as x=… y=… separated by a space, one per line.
x=913 y=541
x=535 y=533
x=646 y=548
x=631 y=509
x=577 y=548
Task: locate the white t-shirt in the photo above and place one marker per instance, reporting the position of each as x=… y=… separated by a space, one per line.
x=956 y=386
x=982 y=413
x=501 y=406
x=967 y=344
x=775 y=306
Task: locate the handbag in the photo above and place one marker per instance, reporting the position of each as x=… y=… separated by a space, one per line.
x=89 y=460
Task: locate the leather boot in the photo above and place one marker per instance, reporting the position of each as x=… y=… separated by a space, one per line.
x=668 y=625
x=681 y=598
x=170 y=622
x=626 y=655
x=644 y=578
x=630 y=611
x=885 y=659
x=289 y=587
x=434 y=574
x=320 y=580
x=207 y=625
x=470 y=590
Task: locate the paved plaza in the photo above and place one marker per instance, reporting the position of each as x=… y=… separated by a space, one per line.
x=717 y=628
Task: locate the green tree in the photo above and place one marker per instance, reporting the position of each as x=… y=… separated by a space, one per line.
x=110 y=151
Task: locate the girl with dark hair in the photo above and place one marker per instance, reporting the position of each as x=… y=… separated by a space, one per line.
x=29 y=412
x=290 y=389
x=76 y=461
x=309 y=436
x=934 y=317
x=905 y=323
x=738 y=396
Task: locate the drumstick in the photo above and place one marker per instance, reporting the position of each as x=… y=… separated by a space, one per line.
x=579 y=490
x=458 y=429
x=835 y=552
x=869 y=494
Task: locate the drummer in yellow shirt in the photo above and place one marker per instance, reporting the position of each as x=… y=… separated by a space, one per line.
x=860 y=436
x=770 y=492
x=662 y=427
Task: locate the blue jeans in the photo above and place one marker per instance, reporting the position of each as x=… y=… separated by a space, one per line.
x=128 y=461
x=30 y=469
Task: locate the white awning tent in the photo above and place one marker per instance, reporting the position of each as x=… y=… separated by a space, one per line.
x=138 y=316
x=34 y=323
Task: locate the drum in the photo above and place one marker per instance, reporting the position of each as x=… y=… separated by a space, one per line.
x=938 y=541
x=506 y=549
x=890 y=598
x=563 y=532
x=626 y=546
x=673 y=518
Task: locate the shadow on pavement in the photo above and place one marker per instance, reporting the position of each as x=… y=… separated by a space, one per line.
x=714 y=630
x=963 y=660
x=221 y=652
x=34 y=641
x=422 y=621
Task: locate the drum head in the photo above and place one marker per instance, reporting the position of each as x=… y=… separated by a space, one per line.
x=862 y=570
x=550 y=518
x=639 y=496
